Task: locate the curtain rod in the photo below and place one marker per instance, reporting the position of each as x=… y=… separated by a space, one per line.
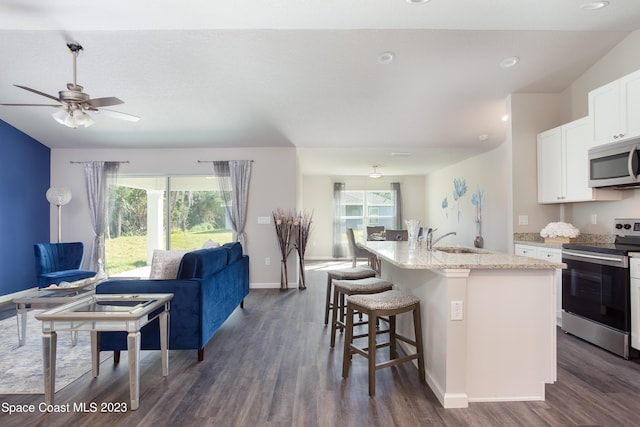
x=211 y=161
x=87 y=161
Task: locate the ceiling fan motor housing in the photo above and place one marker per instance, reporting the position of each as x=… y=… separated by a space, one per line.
x=74 y=94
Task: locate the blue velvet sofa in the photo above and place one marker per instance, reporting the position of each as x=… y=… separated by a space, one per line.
x=210 y=284
x=58 y=262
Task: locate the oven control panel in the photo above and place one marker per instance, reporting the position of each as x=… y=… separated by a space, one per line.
x=627 y=227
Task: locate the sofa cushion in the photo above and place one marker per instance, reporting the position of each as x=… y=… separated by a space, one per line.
x=202 y=263
x=234 y=250
x=165 y=264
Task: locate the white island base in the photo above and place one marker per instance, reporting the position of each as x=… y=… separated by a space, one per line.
x=503 y=349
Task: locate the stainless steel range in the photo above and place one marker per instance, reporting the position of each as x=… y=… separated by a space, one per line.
x=596 y=291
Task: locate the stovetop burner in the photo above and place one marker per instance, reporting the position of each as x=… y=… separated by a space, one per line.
x=627 y=239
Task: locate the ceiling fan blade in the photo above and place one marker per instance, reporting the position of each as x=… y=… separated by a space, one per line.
x=117 y=115
x=104 y=102
x=32 y=105
x=55 y=98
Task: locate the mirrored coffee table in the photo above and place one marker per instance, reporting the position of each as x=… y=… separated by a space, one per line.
x=106 y=312
x=48 y=298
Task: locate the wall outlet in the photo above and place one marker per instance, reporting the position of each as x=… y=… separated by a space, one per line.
x=457 y=310
x=264 y=220
x=267 y=261
x=594 y=219
x=523 y=220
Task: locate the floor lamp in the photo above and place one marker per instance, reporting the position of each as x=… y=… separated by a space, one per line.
x=59 y=197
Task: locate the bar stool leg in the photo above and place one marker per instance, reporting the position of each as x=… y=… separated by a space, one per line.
x=348 y=339
x=417 y=325
x=334 y=318
x=328 y=300
x=371 y=352
x=393 y=354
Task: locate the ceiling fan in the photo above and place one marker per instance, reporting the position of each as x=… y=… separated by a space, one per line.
x=74 y=105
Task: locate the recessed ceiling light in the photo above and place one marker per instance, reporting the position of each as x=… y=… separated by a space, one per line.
x=483 y=137
x=418 y=1
x=594 y=5
x=386 y=57
x=509 y=62
x=400 y=153
x=505 y=117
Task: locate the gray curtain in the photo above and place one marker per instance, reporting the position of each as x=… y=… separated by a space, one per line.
x=395 y=187
x=100 y=178
x=339 y=229
x=233 y=178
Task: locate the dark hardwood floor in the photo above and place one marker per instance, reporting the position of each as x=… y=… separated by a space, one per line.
x=270 y=365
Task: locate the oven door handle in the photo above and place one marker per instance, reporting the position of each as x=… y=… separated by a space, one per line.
x=578 y=255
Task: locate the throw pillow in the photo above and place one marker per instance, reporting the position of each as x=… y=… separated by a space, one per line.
x=210 y=244
x=165 y=264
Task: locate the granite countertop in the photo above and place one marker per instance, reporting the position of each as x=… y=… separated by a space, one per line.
x=399 y=254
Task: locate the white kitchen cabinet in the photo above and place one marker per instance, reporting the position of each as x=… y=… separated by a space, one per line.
x=615 y=109
x=563 y=165
x=547 y=254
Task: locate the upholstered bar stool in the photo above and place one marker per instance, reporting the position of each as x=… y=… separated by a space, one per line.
x=353 y=273
x=342 y=288
x=389 y=303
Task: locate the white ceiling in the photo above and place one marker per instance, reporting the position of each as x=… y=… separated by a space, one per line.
x=300 y=73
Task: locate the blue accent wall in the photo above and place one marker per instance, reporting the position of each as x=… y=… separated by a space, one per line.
x=24 y=210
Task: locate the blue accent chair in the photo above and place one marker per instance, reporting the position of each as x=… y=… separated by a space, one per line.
x=58 y=262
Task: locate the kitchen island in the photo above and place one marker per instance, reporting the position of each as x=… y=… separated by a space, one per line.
x=488 y=320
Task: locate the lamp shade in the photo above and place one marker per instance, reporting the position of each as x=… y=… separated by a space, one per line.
x=58 y=196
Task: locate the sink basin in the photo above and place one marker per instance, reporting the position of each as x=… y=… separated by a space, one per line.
x=454 y=250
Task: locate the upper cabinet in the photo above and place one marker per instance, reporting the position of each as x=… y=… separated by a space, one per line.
x=563 y=173
x=615 y=109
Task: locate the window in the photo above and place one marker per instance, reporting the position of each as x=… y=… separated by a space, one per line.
x=196 y=214
x=363 y=208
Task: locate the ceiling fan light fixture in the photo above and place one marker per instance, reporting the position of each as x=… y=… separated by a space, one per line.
x=60 y=116
x=73 y=119
x=375 y=174
x=81 y=118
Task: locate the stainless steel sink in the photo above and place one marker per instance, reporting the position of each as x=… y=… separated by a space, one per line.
x=455 y=250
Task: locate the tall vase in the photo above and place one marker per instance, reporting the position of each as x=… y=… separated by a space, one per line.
x=284 y=285
x=302 y=284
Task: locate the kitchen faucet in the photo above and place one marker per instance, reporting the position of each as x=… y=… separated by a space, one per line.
x=431 y=242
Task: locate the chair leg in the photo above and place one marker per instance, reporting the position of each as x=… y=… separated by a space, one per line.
x=348 y=339
x=116 y=357
x=200 y=354
x=371 y=353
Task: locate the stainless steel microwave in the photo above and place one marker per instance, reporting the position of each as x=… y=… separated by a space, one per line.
x=615 y=165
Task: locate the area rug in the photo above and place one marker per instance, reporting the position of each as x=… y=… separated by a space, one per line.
x=21 y=369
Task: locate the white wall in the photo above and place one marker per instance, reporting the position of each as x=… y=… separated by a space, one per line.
x=530 y=115
x=317 y=195
x=273 y=185
x=489 y=172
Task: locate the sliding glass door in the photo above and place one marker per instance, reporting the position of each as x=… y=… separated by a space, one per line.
x=191 y=206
